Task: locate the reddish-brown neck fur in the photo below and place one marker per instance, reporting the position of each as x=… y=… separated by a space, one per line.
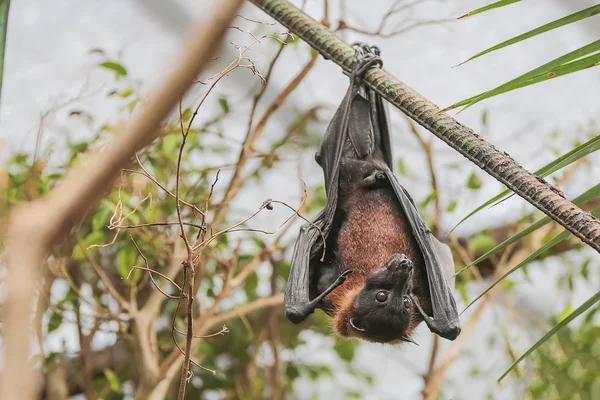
x=371 y=233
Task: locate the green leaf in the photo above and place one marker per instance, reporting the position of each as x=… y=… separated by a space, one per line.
x=250 y=286
x=508 y=285
x=474 y=182
x=428 y=199
x=54 y=321
x=114 y=66
x=497 y=4
x=94 y=237
x=578 y=152
x=224 y=105
x=452 y=206
x=481 y=242
x=186 y=114
x=581 y=199
x=345 y=349
x=588 y=12
x=580 y=310
x=170 y=144
x=401 y=167
x=50 y=360
x=101 y=218
x=353 y=394
x=113 y=380
x=126 y=93
x=565 y=313
x=125 y=260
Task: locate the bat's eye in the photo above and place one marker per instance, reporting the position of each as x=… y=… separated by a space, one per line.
x=380 y=176
x=381 y=296
x=406 y=302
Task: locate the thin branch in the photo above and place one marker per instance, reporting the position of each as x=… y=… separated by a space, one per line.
x=256 y=21
x=151 y=271
x=103 y=277
x=223 y=331
x=157 y=224
x=190 y=267
x=265 y=302
x=157 y=183
x=427 y=148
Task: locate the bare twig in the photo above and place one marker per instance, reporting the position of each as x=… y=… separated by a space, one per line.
x=190 y=267
x=103 y=277
x=157 y=224
x=223 y=331
x=151 y=271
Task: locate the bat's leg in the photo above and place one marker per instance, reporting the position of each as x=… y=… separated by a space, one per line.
x=340 y=279
x=300 y=312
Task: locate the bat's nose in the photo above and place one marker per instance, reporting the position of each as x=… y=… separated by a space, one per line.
x=400 y=264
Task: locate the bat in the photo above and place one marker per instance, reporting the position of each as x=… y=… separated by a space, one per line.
x=367 y=259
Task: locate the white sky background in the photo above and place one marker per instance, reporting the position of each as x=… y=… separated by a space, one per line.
x=48 y=60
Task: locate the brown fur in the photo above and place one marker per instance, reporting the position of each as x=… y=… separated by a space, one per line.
x=373 y=231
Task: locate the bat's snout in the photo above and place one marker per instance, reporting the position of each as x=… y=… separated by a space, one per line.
x=399 y=269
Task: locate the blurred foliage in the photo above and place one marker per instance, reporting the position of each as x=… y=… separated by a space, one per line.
x=566 y=366
x=238 y=355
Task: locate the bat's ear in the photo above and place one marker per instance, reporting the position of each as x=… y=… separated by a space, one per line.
x=318 y=157
x=406 y=338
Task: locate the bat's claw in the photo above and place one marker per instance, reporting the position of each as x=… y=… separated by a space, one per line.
x=451 y=329
x=342 y=278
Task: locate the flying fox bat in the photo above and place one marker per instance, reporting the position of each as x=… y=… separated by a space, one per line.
x=368 y=260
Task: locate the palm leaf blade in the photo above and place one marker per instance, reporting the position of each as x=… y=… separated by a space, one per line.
x=579 y=15
x=497 y=4
x=580 y=310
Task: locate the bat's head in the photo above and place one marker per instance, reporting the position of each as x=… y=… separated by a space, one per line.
x=381 y=310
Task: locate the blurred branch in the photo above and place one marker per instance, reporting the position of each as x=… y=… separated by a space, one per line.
x=405 y=26
x=253 y=135
x=34 y=228
x=431 y=389
x=427 y=149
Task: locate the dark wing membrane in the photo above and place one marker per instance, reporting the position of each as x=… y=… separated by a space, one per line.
x=439 y=265
x=297 y=291
x=382 y=136
x=309 y=245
